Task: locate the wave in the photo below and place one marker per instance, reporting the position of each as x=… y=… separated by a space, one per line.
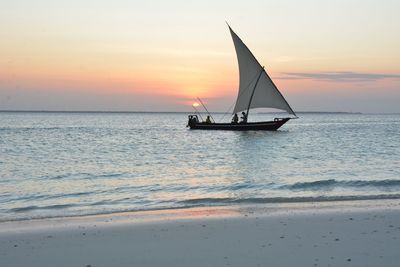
x=225 y=201
x=188 y=203
x=31 y=208
x=316 y=185
x=84 y=176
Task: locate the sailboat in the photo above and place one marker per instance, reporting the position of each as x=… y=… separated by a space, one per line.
x=256 y=90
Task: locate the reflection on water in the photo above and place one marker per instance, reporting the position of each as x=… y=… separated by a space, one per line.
x=54 y=164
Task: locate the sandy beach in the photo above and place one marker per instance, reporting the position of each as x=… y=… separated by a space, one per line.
x=363 y=233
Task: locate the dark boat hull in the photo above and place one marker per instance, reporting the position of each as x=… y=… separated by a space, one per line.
x=249 y=126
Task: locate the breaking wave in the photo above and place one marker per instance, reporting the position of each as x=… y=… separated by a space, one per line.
x=227 y=201
x=331 y=183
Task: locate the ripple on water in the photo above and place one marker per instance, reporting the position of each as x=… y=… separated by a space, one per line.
x=67 y=164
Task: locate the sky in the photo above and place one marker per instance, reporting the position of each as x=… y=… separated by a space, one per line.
x=340 y=55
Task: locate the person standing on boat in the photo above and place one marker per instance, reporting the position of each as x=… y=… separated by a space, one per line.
x=235 y=118
x=244 y=118
x=208 y=120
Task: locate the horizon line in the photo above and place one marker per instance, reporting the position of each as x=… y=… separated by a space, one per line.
x=139 y=111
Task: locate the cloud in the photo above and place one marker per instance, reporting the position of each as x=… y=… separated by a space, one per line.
x=340 y=76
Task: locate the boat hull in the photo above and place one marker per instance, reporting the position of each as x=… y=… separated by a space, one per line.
x=249 y=126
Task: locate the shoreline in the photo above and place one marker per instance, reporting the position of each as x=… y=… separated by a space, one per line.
x=228 y=203
x=356 y=233
x=211 y=212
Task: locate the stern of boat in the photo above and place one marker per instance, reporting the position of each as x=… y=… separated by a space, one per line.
x=192 y=120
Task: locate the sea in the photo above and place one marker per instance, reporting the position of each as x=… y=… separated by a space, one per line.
x=74 y=163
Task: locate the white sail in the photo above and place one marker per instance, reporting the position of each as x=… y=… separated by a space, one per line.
x=266 y=94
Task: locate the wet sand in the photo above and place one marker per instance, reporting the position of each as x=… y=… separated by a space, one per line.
x=364 y=233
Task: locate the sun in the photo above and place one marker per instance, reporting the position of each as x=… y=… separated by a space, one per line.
x=195 y=104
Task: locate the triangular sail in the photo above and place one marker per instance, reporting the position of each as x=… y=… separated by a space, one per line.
x=266 y=94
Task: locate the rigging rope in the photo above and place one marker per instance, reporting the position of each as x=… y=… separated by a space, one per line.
x=240 y=94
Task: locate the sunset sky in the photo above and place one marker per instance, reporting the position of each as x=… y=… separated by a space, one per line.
x=151 y=55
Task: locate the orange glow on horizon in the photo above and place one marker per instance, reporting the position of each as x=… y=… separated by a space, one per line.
x=116 y=79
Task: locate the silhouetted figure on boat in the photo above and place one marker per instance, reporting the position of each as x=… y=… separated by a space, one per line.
x=243 y=118
x=208 y=120
x=235 y=118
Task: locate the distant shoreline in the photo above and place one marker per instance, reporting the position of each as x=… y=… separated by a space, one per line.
x=178 y=112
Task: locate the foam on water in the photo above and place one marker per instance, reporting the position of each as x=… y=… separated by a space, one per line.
x=71 y=164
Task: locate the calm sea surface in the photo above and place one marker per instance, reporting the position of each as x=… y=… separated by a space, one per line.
x=67 y=164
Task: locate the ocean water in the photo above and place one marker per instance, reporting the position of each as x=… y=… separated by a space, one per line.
x=71 y=164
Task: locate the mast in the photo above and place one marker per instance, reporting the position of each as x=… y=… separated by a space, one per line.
x=252 y=93
x=197 y=112
x=204 y=106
